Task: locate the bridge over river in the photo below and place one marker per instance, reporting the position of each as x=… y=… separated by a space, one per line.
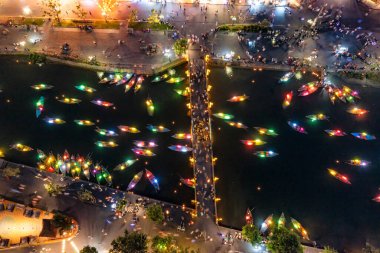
x=201 y=136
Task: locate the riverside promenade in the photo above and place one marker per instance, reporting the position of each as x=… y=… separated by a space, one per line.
x=201 y=136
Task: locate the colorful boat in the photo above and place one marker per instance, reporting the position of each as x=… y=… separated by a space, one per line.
x=54 y=121
x=106 y=144
x=138 y=85
x=339 y=176
x=265 y=154
x=180 y=148
x=152 y=179
x=21 y=147
x=84 y=122
x=41 y=154
x=143 y=152
x=224 y=116
x=317 y=117
x=266 y=224
x=85 y=88
x=237 y=124
x=42 y=86
x=256 y=142
x=364 y=136
x=69 y=101
x=182 y=136
x=297 y=127
x=248 y=217
x=129 y=129
x=184 y=92
x=358 y=162
x=130 y=84
x=175 y=79
x=335 y=132
x=136 y=178
x=171 y=72
x=145 y=144
x=298 y=227
x=126 y=164
x=190 y=182
x=102 y=103
x=107 y=176
x=281 y=221
x=377 y=198
x=357 y=111
x=157 y=129
x=149 y=106
x=40 y=106
x=286 y=77
x=240 y=98
x=310 y=90
x=288 y=99
x=157 y=79
x=266 y=131
x=106 y=132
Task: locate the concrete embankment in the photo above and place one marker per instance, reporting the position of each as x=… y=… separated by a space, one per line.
x=141 y=69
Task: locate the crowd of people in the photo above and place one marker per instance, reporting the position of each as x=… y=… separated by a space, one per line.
x=203 y=168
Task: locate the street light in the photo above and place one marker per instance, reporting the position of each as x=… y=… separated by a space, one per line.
x=26 y=10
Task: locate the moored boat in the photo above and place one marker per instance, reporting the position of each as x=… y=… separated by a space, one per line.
x=265 y=154
x=297 y=127
x=180 y=148
x=364 y=136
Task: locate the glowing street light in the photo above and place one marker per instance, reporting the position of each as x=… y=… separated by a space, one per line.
x=26 y=10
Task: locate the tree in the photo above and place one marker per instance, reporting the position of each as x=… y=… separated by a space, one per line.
x=9 y=172
x=154 y=18
x=52 y=9
x=106 y=7
x=284 y=241
x=53 y=189
x=251 y=233
x=165 y=244
x=88 y=249
x=79 y=11
x=62 y=221
x=133 y=17
x=155 y=213
x=134 y=242
x=370 y=249
x=180 y=46
x=328 y=249
x=86 y=196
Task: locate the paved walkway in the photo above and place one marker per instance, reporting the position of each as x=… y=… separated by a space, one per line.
x=201 y=134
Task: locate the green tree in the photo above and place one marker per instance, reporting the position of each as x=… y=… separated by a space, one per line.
x=154 y=18
x=9 y=172
x=52 y=9
x=155 y=213
x=251 y=233
x=88 y=249
x=165 y=244
x=328 y=249
x=284 y=241
x=54 y=189
x=79 y=10
x=134 y=242
x=180 y=46
x=63 y=222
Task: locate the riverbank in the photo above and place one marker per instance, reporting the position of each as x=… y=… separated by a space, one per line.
x=148 y=69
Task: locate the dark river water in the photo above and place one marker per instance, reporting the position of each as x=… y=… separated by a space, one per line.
x=295 y=182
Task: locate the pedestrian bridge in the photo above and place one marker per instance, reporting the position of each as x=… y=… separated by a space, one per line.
x=201 y=136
